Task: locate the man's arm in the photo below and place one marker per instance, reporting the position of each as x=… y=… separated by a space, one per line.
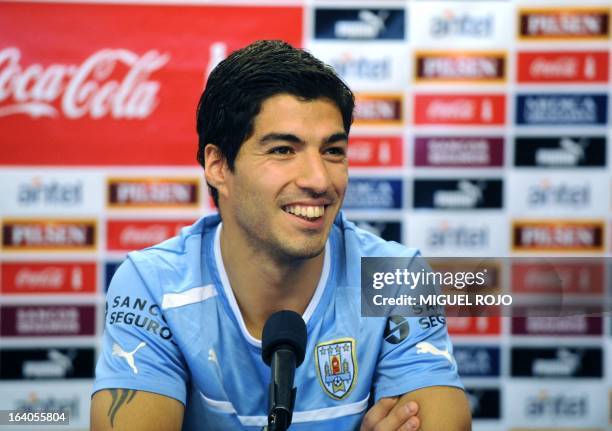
x=127 y=409
x=441 y=408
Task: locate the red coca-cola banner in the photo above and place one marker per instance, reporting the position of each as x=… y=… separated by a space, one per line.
x=128 y=235
x=563 y=66
x=47 y=277
x=122 y=85
x=460 y=109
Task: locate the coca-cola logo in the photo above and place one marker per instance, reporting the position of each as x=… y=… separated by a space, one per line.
x=110 y=82
x=49 y=277
x=148 y=235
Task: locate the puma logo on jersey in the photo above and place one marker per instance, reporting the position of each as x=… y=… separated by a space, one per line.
x=128 y=356
x=425 y=347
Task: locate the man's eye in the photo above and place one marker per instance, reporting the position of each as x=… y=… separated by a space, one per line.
x=336 y=151
x=281 y=150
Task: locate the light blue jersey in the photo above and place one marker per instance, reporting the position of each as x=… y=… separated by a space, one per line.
x=173 y=327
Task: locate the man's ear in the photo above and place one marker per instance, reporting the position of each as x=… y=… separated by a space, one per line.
x=215 y=168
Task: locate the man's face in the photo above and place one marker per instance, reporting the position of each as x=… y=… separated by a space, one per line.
x=289 y=178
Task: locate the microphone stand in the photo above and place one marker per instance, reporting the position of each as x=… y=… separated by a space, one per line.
x=282 y=392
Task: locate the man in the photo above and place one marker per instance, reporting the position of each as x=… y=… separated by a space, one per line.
x=184 y=318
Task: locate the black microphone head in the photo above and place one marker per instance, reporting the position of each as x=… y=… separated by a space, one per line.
x=284 y=327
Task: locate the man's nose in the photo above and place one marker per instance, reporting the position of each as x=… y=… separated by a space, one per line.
x=313 y=174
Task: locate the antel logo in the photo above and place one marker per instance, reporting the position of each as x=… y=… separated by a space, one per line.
x=127 y=235
x=458 y=236
x=564 y=23
x=460 y=109
x=557 y=362
x=458 y=151
x=466 y=66
x=560 y=152
x=48 y=363
x=378 y=109
x=458 y=194
x=356 y=66
x=557 y=405
x=56 y=235
x=153 y=192
x=563 y=66
x=47 y=277
x=374 y=193
x=561 y=109
x=558 y=235
x=47 y=320
x=39 y=191
x=549 y=193
x=110 y=82
x=558 y=276
x=359 y=24
x=375 y=151
x=484 y=325
x=451 y=23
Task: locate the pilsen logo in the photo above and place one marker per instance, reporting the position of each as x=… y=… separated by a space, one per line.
x=460 y=109
x=153 y=192
x=56 y=235
x=558 y=235
x=378 y=109
x=48 y=277
x=460 y=67
x=110 y=82
x=563 y=66
x=564 y=23
x=374 y=151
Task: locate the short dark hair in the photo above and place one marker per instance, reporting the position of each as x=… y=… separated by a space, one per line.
x=238 y=86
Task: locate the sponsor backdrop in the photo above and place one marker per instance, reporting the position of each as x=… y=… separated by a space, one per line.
x=482 y=129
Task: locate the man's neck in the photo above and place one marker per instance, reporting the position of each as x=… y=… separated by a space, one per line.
x=262 y=284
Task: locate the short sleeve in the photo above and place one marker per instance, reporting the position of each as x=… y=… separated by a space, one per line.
x=418 y=361
x=417 y=352
x=138 y=351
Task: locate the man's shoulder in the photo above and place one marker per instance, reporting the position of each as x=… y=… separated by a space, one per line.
x=362 y=243
x=176 y=263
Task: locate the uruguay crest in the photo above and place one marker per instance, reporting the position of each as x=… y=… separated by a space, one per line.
x=336 y=366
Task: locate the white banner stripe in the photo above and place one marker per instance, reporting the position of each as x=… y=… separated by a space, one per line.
x=191 y=296
x=298 y=417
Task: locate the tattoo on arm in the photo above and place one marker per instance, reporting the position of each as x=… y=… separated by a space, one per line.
x=120 y=397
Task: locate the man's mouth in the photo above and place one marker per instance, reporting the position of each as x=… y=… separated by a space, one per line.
x=306 y=212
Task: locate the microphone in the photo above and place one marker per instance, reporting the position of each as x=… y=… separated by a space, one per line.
x=283 y=348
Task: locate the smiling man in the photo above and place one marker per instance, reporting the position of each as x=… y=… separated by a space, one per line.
x=273 y=126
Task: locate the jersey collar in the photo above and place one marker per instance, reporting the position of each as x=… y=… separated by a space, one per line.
x=231 y=299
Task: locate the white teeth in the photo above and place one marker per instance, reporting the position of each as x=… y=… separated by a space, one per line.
x=306 y=211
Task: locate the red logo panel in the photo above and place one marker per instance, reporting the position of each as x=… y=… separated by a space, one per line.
x=460 y=109
x=563 y=66
x=555 y=277
x=48 y=277
x=375 y=151
x=490 y=325
x=128 y=235
x=124 y=91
